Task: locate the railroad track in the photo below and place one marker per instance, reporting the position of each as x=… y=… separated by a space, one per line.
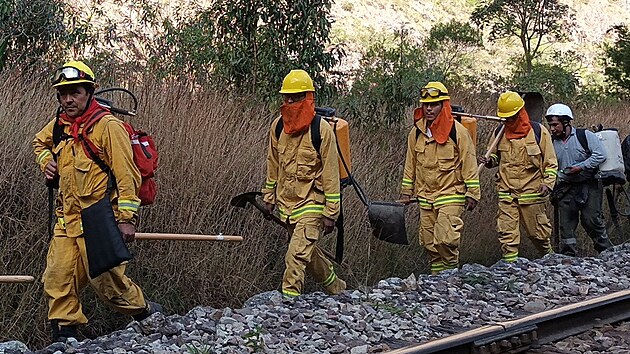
x=529 y=332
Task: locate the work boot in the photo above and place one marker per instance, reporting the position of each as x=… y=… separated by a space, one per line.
x=62 y=333
x=152 y=307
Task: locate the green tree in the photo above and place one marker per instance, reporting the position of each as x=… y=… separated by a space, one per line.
x=388 y=82
x=450 y=46
x=29 y=29
x=531 y=21
x=250 y=45
x=617 y=58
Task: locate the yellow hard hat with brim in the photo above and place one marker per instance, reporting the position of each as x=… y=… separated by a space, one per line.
x=297 y=81
x=72 y=73
x=509 y=104
x=434 y=91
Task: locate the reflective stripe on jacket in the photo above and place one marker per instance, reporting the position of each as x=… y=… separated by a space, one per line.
x=439 y=175
x=300 y=180
x=525 y=165
x=81 y=181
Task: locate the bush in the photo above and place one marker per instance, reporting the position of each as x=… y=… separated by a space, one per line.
x=250 y=46
x=388 y=83
x=29 y=29
x=617 y=59
x=554 y=81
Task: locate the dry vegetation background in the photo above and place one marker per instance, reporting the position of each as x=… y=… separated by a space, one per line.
x=212 y=148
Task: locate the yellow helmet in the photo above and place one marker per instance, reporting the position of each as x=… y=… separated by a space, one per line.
x=509 y=104
x=297 y=81
x=434 y=91
x=73 y=72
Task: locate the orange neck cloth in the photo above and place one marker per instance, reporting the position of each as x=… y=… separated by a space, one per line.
x=297 y=116
x=519 y=127
x=442 y=125
x=78 y=121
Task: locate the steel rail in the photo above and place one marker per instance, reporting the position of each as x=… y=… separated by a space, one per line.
x=519 y=335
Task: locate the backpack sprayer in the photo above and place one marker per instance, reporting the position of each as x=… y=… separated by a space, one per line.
x=105 y=103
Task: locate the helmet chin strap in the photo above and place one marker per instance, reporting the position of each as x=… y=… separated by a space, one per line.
x=565 y=124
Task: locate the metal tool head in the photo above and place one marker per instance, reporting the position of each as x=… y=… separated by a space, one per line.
x=388 y=222
x=241 y=200
x=534 y=105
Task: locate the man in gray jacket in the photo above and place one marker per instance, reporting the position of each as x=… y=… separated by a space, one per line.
x=578 y=192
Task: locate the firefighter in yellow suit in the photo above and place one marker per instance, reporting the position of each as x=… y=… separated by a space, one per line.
x=441 y=174
x=304 y=185
x=81 y=184
x=527 y=173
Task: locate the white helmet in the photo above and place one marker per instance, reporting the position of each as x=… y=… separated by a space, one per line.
x=559 y=110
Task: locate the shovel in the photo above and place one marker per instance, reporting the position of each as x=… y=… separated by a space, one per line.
x=186 y=237
x=493 y=146
x=534 y=105
x=241 y=200
x=388 y=221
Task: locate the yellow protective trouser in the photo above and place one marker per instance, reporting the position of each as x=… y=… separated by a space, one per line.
x=440 y=230
x=66 y=275
x=304 y=255
x=534 y=219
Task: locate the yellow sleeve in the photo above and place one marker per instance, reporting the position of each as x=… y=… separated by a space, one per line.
x=330 y=171
x=550 y=161
x=119 y=157
x=269 y=191
x=469 y=163
x=409 y=174
x=43 y=144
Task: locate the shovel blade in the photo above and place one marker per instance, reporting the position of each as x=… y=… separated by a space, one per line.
x=240 y=201
x=388 y=222
x=534 y=105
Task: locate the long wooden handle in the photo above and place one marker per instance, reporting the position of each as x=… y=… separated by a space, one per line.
x=186 y=237
x=16 y=279
x=494 y=118
x=493 y=146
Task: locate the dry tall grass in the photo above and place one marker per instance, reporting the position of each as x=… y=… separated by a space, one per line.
x=212 y=148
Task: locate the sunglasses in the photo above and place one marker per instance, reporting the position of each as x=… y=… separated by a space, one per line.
x=432 y=92
x=69 y=74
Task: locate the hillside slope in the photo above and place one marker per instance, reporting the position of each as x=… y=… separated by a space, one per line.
x=358 y=22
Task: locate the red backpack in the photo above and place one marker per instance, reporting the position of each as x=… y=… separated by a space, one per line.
x=145 y=154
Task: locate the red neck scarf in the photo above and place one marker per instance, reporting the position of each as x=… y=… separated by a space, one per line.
x=76 y=122
x=442 y=125
x=518 y=128
x=297 y=116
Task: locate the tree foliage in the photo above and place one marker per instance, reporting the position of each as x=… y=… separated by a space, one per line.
x=450 y=46
x=250 y=45
x=29 y=29
x=530 y=21
x=388 y=81
x=617 y=58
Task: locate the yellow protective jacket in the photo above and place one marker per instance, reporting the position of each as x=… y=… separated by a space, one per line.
x=300 y=180
x=81 y=181
x=439 y=175
x=525 y=165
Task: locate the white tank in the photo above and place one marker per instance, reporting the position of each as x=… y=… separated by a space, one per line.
x=613 y=168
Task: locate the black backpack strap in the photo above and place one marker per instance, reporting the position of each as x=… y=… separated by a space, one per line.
x=581 y=136
x=453 y=133
x=279 y=127
x=58 y=135
x=340 y=233
x=537 y=131
x=316 y=135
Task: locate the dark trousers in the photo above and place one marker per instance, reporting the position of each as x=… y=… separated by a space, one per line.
x=583 y=200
